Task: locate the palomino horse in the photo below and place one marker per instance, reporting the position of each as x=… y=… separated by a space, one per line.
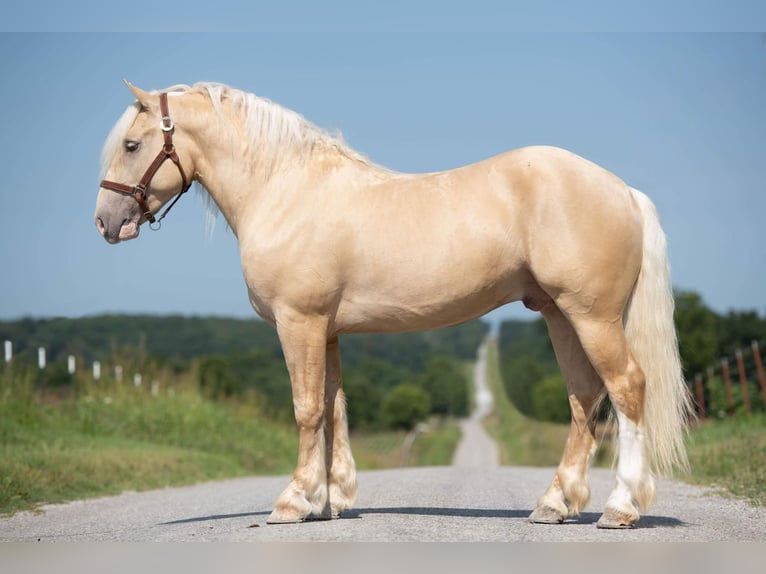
x=331 y=243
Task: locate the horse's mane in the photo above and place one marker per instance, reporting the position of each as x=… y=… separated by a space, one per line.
x=271 y=128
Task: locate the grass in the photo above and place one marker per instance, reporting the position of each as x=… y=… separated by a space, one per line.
x=109 y=440
x=89 y=441
x=730 y=455
x=433 y=447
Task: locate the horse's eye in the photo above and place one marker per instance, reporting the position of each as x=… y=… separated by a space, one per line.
x=131 y=146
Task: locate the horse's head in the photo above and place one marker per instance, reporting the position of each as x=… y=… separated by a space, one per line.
x=137 y=179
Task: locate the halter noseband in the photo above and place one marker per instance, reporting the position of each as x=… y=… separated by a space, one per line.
x=168 y=151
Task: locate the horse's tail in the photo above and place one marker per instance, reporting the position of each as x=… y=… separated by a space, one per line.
x=651 y=335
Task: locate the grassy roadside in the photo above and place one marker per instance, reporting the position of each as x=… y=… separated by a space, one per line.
x=106 y=442
x=111 y=439
x=433 y=447
x=730 y=455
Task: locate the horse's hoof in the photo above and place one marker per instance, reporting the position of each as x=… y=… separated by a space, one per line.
x=284 y=516
x=614 y=519
x=546 y=515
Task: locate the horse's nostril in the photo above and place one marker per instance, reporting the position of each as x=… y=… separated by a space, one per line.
x=124 y=221
x=100 y=225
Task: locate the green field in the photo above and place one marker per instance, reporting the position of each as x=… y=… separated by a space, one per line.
x=93 y=442
x=730 y=455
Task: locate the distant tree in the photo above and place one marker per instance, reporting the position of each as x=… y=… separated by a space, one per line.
x=363 y=401
x=550 y=399
x=382 y=373
x=526 y=358
x=445 y=381
x=520 y=375
x=737 y=329
x=216 y=380
x=57 y=375
x=405 y=406
x=697 y=336
x=266 y=374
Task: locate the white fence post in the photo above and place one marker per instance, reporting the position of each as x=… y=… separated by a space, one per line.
x=96 y=371
x=118 y=373
x=41 y=357
x=8 y=351
x=70 y=364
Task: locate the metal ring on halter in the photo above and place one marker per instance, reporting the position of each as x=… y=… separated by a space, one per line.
x=156 y=223
x=166 y=127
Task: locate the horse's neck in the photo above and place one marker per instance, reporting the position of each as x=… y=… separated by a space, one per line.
x=241 y=179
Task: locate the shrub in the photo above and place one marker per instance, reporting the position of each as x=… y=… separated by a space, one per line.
x=405 y=406
x=550 y=399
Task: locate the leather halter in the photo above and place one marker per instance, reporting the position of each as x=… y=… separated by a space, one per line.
x=168 y=151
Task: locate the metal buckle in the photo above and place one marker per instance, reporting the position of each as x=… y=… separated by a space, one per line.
x=166 y=127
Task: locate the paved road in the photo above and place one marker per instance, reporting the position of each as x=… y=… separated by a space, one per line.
x=415 y=504
x=476 y=449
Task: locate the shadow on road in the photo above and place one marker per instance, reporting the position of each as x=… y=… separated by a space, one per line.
x=215 y=517
x=584 y=518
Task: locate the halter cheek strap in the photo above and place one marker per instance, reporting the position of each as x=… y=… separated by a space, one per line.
x=168 y=151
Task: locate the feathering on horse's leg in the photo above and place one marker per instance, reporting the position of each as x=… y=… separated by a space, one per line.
x=569 y=492
x=304 y=341
x=341 y=470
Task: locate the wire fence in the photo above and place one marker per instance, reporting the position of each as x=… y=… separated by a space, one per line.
x=731 y=386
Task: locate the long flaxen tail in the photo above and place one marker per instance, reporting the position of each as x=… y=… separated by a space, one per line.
x=652 y=339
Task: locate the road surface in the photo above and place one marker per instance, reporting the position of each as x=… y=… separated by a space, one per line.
x=413 y=504
x=476 y=449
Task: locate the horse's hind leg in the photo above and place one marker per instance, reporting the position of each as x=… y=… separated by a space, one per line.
x=605 y=344
x=341 y=471
x=569 y=492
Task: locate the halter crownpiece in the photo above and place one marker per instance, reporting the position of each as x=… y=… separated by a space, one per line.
x=168 y=151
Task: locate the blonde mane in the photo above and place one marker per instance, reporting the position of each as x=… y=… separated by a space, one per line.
x=272 y=128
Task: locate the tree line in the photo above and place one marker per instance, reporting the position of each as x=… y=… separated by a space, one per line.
x=391 y=380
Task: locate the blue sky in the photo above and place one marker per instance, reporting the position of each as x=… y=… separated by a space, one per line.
x=679 y=116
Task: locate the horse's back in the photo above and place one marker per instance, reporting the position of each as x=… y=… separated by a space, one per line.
x=448 y=246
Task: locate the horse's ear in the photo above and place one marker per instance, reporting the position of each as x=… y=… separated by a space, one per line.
x=146 y=100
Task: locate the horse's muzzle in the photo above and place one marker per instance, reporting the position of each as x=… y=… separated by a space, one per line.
x=115 y=230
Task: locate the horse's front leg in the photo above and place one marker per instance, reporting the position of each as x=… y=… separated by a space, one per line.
x=304 y=341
